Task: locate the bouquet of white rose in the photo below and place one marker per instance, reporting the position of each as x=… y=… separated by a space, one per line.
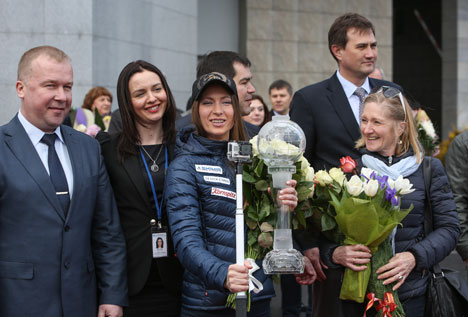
x=259 y=207
x=362 y=210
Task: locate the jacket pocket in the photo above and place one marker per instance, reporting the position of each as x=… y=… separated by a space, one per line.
x=16 y=270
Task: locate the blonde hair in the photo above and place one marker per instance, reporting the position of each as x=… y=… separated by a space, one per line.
x=24 y=65
x=409 y=137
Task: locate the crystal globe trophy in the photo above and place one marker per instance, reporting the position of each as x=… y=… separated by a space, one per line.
x=280 y=144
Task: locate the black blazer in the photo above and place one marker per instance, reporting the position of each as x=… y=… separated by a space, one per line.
x=135 y=215
x=322 y=110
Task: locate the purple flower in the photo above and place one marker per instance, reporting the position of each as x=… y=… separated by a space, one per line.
x=391 y=196
x=383 y=181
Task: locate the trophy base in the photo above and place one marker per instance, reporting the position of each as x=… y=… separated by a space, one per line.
x=283 y=262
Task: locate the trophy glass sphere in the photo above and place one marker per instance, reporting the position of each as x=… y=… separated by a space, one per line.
x=281 y=143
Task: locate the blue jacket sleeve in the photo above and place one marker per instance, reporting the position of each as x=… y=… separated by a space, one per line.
x=440 y=242
x=185 y=220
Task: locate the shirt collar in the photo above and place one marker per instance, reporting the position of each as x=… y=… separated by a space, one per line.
x=349 y=88
x=34 y=133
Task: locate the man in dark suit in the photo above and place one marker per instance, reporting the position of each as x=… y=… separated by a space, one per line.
x=62 y=250
x=329 y=111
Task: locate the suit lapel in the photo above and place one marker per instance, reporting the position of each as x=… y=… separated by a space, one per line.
x=19 y=143
x=132 y=167
x=75 y=152
x=342 y=107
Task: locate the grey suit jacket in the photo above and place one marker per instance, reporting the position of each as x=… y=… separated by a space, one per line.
x=51 y=265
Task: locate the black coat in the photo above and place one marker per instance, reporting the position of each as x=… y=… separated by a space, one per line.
x=136 y=212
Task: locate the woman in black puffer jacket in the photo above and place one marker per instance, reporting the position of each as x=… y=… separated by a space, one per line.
x=201 y=204
x=389 y=146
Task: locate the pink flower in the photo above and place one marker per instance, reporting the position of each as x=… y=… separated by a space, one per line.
x=92 y=130
x=347 y=164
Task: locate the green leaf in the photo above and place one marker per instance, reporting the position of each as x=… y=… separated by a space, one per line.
x=302 y=193
x=98 y=119
x=299 y=215
x=327 y=222
x=261 y=185
x=251 y=223
x=252 y=213
x=251 y=238
x=258 y=170
x=246 y=177
x=265 y=239
x=266 y=227
x=265 y=209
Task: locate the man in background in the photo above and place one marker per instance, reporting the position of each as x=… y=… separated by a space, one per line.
x=280 y=92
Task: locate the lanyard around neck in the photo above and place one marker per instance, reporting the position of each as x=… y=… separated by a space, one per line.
x=158 y=206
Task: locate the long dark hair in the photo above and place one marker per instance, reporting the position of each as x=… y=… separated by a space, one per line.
x=130 y=137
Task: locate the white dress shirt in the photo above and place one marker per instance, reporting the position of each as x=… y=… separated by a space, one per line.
x=35 y=135
x=349 y=89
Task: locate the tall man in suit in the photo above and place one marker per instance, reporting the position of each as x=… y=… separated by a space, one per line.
x=62 y=250
x=329 y=111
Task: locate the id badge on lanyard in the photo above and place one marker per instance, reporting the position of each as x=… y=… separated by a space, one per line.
x=159 y=239
x=158 y=232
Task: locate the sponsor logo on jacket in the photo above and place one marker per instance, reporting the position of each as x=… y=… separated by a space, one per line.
x=213 y=169
x=223 y=193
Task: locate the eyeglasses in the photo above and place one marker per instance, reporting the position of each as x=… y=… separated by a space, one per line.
x=392 y=92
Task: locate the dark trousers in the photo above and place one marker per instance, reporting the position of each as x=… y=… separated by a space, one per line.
x=291 y=296
x=260 y=308
x=414 y=306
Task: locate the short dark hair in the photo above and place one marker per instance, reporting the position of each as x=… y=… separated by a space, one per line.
x=279 y=84
x=130 y=136
x=221 y=62
x=338 y=33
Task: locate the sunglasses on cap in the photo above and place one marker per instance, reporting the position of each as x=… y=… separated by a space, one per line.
x=392 y=92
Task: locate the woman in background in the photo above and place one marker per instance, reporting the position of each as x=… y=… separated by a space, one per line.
x=259 y=113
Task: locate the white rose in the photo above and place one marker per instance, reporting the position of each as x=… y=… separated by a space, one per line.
x=81 y=128
x=304 y=163
x=366 y=172
x=253 y=141
x=309 y=176
x=370 y=189
x=278 y=147
x=403 y=186
x=428 y=128
x=354 y=186
x=337 y=175
x=312 y=190
x=323 y=178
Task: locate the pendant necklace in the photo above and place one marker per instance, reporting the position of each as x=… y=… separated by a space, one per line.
x=154 y=167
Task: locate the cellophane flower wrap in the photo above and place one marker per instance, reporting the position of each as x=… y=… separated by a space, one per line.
x=259 y=207
x=362 y=210
x=426 y=133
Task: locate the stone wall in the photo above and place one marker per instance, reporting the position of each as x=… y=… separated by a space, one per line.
x=101 y=37
x=288 y=39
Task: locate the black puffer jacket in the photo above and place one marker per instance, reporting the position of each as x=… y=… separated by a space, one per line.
x=410 y=236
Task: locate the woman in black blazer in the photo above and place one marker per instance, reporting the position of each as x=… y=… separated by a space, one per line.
x=136 y=160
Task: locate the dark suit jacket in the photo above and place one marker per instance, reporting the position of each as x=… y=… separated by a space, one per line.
x=322 y=110
x=50 y=264
x=135 y=215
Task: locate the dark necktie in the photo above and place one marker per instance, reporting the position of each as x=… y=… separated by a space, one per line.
x=361 y=93
x=57 y=175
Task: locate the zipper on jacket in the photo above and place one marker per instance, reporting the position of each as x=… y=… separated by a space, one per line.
x=390 y=160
